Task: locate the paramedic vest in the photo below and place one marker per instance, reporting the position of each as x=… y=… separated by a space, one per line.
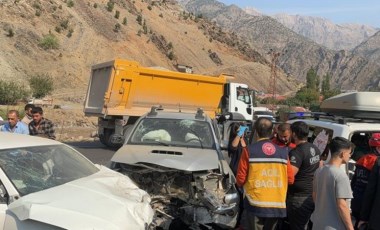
x=267 y=182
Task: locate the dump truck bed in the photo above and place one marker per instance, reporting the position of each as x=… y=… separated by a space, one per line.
x=122 y=87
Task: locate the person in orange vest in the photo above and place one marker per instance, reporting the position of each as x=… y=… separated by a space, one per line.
x=263 y=174
x=363 y=168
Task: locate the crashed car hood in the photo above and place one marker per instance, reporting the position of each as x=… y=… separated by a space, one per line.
x=186 y=159
x=104 y=200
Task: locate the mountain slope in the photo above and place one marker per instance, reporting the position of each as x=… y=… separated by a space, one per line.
x=155 y=34
x=370 y=48
x=326 y=33
x=298 y=54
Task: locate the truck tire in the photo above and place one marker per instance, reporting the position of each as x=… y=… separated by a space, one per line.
x=102 y=139
x=107 y=138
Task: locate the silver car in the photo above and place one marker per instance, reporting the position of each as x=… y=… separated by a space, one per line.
x=176 y=158
x=45 y=184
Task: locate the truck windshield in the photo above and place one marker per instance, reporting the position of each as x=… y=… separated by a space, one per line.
x=243 y=95
x=173 y=132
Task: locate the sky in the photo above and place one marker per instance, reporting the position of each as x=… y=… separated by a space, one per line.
x=338 y=11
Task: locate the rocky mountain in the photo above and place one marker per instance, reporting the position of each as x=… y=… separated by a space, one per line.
x=297 y=54
x=370 y=48
x=325 y=32
x=64 y=38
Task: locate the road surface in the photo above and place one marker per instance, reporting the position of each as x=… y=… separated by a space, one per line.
x=94 y=150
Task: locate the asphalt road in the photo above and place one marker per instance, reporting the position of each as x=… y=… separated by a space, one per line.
x=94 y=150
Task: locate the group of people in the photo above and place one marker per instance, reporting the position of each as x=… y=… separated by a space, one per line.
x=33 y=123
x=285 y=184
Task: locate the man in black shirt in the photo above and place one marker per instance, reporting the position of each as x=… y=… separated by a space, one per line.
x=305 y=160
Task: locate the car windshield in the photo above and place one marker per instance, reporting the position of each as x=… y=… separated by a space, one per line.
x=173 y=132
x=33 y=169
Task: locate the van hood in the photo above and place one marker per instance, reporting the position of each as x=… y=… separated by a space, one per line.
x=186 y=159
x=104 y=200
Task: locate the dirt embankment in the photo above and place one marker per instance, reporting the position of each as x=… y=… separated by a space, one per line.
x=70 y=122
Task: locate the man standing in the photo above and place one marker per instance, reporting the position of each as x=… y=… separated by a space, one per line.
x=28 y=114
x=370 y=210
x=14 y=124
x=283 y=136
x=363 y=168
x=331 y=189
x=305 y=161
x=41 y=126
x=262 y=172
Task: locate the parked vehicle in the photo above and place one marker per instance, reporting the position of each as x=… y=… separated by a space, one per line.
x=48 y=185
x=267 y=114
x=120 y=91
x=176 y=158
x=44 y=102
x=354 y=115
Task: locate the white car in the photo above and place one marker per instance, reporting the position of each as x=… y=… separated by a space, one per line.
x=48 y=185
x=176 y=158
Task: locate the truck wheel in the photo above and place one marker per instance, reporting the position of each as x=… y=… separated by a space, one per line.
x=102 y=139
x=107 y=138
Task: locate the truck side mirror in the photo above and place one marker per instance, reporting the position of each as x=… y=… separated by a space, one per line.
x=249 y=110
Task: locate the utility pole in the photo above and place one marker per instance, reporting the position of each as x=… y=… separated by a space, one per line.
x=273 y=75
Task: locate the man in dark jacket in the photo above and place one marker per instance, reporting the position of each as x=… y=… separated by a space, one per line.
x=363 y=168
x=370 y=210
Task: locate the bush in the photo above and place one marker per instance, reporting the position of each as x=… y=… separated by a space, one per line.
x=58 y=29
x=139 y=19
x=95 y=5
x=149 y=8
x=11 y=92
x=117 y=14
x=110 y=6
x=70 y=3
x=171 y=55
x=70 y=33
x=38 y=13
x=65 y=24
x=41 y=85
x=125 y=21
x=161 y=15
x=117 y=27
x=49 y=42
x=10 y=33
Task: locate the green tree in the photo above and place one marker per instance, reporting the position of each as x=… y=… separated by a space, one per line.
x=41 y=85
x=326 y=88
x=307 y=96
x=11 y=92
x=312 y=79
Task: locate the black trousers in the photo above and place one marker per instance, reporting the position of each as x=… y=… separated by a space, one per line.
x=299 y=211
x=252 y=222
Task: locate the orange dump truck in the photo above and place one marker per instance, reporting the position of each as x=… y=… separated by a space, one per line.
x=120 y=91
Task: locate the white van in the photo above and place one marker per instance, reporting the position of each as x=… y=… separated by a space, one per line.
x=354 y=116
